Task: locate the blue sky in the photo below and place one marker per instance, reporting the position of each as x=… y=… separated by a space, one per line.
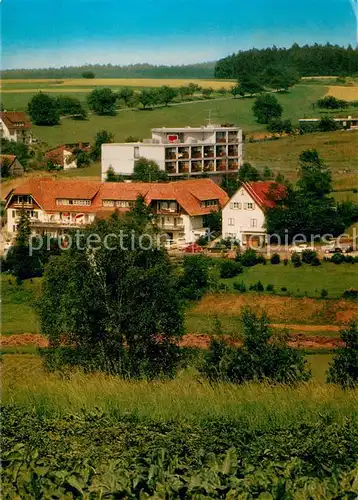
x=43 y=33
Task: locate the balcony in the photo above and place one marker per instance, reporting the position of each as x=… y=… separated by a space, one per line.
x=221 y=166
x=183 y=167
x=22 y=205
x=170 y=167
x=221 y=137
x=233 y=137
x=196 y=166
x=183 y=153
x=220 y=151
x=209 y=166
x=233 y=151
x=209 y=152
x=171 y=225
x=233 y=165
x=170 y=156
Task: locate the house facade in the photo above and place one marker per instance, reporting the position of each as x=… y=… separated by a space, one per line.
x=63 y=156
x=243 y=217
x=55 y=206
x=349 y=123
x=190 y=151
x=14 y=167
x=14 y=126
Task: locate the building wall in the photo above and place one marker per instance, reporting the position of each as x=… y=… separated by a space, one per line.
x=121 y=157
x=5 y=132
x=238 y=219
x=67 y=163
x=16 y=168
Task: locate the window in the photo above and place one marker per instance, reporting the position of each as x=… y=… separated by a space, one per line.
x=236 y=206
x=250 y=206
x=63 y=201
x=136 y=152
x=124 y=203
x=209 y=203
x=253 y=222
x=108 y=203
x=33 y=214
x=60 y=201
x=231 y=222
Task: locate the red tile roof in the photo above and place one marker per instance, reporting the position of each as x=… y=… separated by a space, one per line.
x=189 y=194
x=9 y=158
x=57 y=156
x=265 y=193
x=15 y=120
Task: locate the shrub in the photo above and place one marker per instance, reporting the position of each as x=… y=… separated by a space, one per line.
x=195 y=278
x=262 y=356
x=230 y=269
x=344 y=368
x=257 y=287
x=270 y=288
x=275 y=259
x=240 y=286
x=315 y=262
x=248 y=258
x=296 y=260
x=351 y=293
x=308 y=256
x=283 y=289
x=337 y=258
x=324 y=293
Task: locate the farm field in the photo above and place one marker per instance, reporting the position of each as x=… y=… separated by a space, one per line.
x=172 y=439
x=347 y=93
x=338 y=149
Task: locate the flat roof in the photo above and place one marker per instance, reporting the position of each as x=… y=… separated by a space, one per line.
x=204 y=128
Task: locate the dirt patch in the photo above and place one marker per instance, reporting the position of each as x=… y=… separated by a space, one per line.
x=299 y=341
x=24 y=339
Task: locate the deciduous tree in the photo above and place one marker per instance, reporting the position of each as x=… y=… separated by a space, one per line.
x=43 y=109
x=102 y=101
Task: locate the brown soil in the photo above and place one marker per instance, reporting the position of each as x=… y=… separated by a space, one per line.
x=202 y=341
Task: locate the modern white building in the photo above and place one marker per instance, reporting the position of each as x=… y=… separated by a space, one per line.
x=55 y=206
x=243 y=217
x=14 y=126
x=187 y=151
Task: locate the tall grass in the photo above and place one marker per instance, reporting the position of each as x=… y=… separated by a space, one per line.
x=187 y=398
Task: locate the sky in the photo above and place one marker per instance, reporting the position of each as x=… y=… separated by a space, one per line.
x=54 y=33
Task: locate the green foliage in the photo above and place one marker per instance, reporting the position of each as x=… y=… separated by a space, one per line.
x=88 y=74
x=166 y=94
x=249 y=258
x=99 y=290
x=18 y=149
x=82 y=158
x=230 y=269
x=344 y=368
x=330 y=102
x=70 y=106
x=127 y=95
x=102 y=137
x=213 y=221
x=195 y=278
x=207 y=92
x=235 y=90
x=148 y=97
x=102 y=101
x=248 y=173
x=308 y=256
x=306 y=61
x=327 y=124
x=97 y=455
x=278 y=78
x=296 y=259
x=262 y=356
x=111 y=176
x=278 y=126
x=148 y=171
x=43 y=109
x=267 y=108
x=249 y=84
x=275 y=259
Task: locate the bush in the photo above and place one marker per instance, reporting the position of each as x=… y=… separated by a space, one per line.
x=240 y=286
x=257 y=287
x=195 y=278
x=351 y=293
x=344 y=368
x=270 y=288
x=230 y=269
x=337 y=258
x=324 y=293
x=262 y=356
x=283 y=289
x=249 y=258
x=315 y=262
x=275 y=259
x=308 y=256
x=296 y=260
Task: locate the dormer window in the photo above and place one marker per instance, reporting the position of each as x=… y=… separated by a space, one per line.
x=209 y=203
x=66 y=201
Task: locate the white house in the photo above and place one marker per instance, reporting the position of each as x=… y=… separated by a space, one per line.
x=187 y=151
x=54 y=206
x=243 y=217
x=14 y=126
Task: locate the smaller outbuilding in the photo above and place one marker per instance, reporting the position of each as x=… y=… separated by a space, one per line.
x=10 y=166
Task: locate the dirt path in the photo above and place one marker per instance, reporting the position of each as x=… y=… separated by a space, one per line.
x=301 y=340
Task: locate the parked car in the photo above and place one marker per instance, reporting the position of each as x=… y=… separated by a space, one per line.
x=301 y=248
x=334 y=248
x=193 y=248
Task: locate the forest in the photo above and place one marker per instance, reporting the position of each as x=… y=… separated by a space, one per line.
x=314 y=60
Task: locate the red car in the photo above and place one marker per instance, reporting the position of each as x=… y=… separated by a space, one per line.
x=193 y=248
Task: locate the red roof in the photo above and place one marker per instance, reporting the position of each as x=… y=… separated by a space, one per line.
x=9 y=158
x=15 y=120
x=57 y=154
x=188 y=194
x=265 y=193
